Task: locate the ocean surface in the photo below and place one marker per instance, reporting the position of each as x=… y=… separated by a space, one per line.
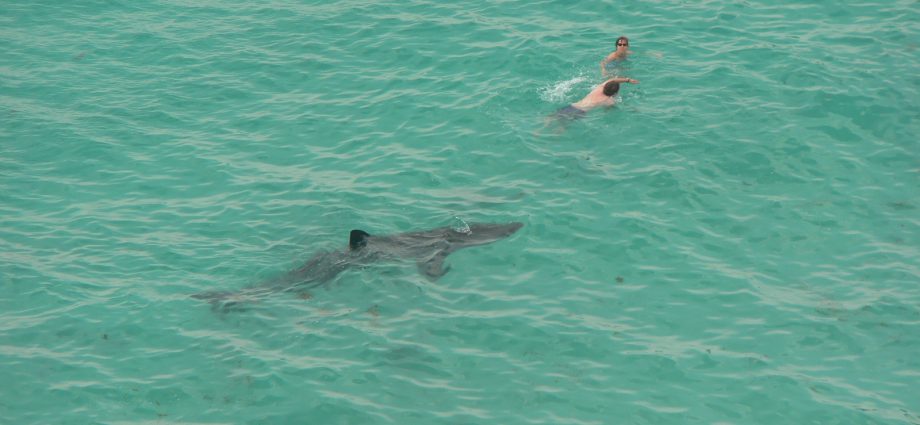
x=737 y=241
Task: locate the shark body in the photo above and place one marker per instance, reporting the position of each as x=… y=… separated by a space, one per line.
x=428 y=248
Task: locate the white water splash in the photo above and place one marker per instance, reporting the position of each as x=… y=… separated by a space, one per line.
x=559 y=92
x=460 y=226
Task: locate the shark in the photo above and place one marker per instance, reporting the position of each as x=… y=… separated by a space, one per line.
x=427 y=248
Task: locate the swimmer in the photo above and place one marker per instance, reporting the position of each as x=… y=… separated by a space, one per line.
x=617 y=55
x=602 y=95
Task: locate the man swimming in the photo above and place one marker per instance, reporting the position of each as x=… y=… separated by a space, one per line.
x=602 y=95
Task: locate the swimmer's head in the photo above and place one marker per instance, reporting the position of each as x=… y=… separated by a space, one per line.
x=611 y=88
x=622 y=42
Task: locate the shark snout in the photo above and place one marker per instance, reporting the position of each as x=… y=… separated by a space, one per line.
x=488 y=232
x=510 y=228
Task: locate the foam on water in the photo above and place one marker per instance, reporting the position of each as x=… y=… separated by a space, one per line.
x=460 y=226
x=561 y=91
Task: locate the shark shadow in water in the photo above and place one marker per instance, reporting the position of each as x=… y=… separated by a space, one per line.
x=428 y=248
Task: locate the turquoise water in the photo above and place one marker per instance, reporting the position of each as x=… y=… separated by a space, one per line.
x=737 y=242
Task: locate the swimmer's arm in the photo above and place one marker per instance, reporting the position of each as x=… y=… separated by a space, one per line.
x=623 y=80
x=607 y=60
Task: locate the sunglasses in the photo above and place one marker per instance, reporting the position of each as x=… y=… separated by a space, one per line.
x=622 y=44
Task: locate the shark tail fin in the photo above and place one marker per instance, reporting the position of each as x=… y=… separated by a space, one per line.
x=213 y=296
x=357 y=239
x=224 y=301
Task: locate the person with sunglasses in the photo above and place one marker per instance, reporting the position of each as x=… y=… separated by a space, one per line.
x=617 y=55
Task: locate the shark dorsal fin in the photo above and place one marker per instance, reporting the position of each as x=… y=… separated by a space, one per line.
x=357 y=239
